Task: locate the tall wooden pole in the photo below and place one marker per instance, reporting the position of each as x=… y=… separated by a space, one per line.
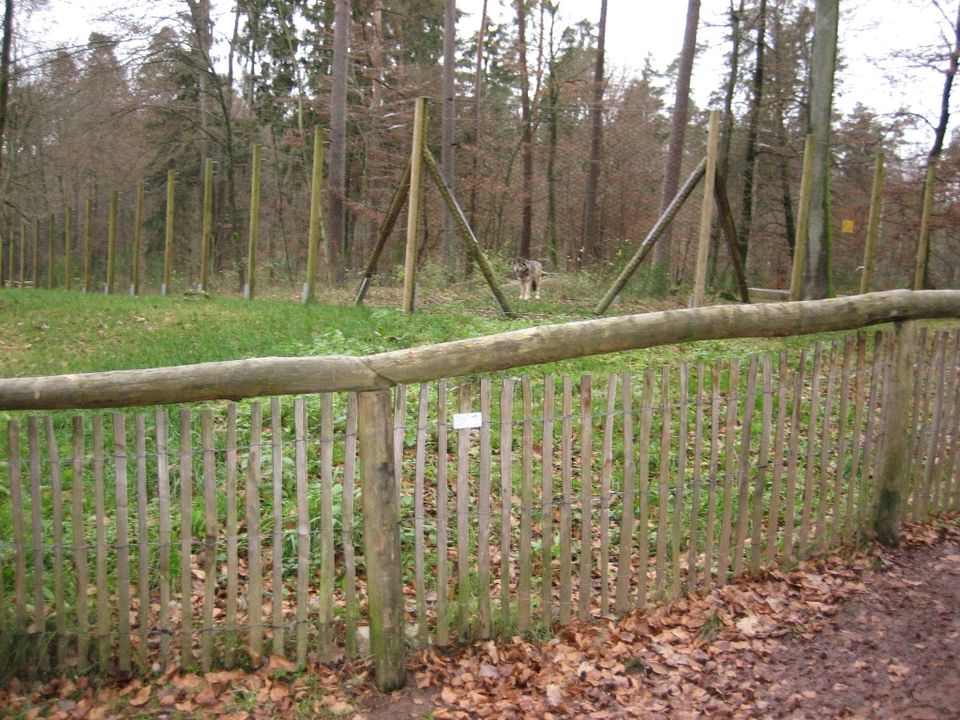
x=207 y=229
x=706 y=211
x=35 y=269
x=137 y=232
x=803 y=217
x=381 y=537
x=413 y=205
x=51 y=231
x=254 y=225
x=112 y=241
x=873 y=225
x=168 y=234
x=87 y=242
x=316 y=215
x=23 y=253
x=893 y=476
x=924 y=245
x=68 y=249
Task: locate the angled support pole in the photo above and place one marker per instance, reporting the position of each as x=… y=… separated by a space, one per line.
x=383 y=234
x=729 y=230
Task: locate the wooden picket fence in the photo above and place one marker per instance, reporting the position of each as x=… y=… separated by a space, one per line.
x=215 y=534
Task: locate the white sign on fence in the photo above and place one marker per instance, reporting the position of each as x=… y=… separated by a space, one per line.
x=465 y=421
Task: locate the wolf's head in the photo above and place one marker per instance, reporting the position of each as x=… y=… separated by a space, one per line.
x=521 y=267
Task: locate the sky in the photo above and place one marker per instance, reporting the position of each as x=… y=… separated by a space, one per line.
x=870 y=30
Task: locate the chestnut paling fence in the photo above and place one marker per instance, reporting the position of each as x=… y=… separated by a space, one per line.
x=216 y=534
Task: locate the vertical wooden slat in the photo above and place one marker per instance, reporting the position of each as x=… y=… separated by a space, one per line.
x=811 y=450
x=303 y=527
x=940 y=480
x=729 y=434
x=951 y=488
x=399 y=434
x=663 y=492
x=643 y=460
x=36 y=522
x=463 y=518
x=56 y=485
x=743 y=489
x=349 y=561
x=857 y=437
x=254 y=538
x=186 y=537
x=879 y=391
x=443 y=580
x=714 y=467
x=923 y=373
x=483 y=502
x=327 y=568
x=773 y=520
x=526 y=507
x=276 y=543
x=506 y=495
x=103 y=599
x=564 y=612
x=230 y=464
x=211 y=531
x=606 y=472
x=790 y=502
x=678 y=501
x=161 y=423
x=123 y=541
x=760 y=484
x=696 y=482
x=840 y=484
x=628 y=510
x=825 y=448
x=143 y=538
x=924 y=481
x=419 y=550
x=77 y=521
x=546 y=486
x=586 y=496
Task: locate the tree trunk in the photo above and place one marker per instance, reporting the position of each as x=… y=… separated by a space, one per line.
x=681 y=107
x=475 y=161
x=817 y=282
x=746 y=205
x=526 y=192
x=591 y=244
x=337 y=174
x=447 y=129
x=5 y=77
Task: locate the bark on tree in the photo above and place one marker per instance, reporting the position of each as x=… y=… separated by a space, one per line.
x=477 y=129
x=337 y=174
x=591 y=244
x=526 y=193
x=5 y=76
x=447 y=126
x=681 y=107
x=750 y=163
x=817 y=282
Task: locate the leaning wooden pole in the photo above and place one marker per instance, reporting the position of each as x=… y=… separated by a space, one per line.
x=706 y=211
x=893 y=476
x=112 y=241
x=383 y=234
x=873 y=225
x=137 y=235
x=316 y=216
x=729 y=231
x=381 y=538
x=251 y=285
x=663 y=222
x=168 y=234
x=206 y=232
x=68 y=249
x=413 y=205
x=923 y=247
x=465 y=232
x=803 y=217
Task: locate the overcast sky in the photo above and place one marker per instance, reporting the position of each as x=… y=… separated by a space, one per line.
x=870 y=30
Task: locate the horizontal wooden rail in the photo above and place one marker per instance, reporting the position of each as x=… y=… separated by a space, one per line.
x=285 y=376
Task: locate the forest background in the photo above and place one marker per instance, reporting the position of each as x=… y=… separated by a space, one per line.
x=166 y=90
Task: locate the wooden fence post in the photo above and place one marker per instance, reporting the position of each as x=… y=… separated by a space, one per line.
x=316 y=216
x=923 y=248
x=706 y=211
x=168 y=234
x=381 y=538
x=803 y=214
x=413 y=205
x=206 y=232
x=873 y=225
x=87 y=242
x=51 y=232
x=893 y=475
x=137 y=234
x=68 y=249
x=111 y=241
x=254 y=225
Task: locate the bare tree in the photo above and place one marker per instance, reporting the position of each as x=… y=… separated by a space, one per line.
x=591 y=244
x=447 y=122
x=337 y=176
x=756 y=100
x=526 y=200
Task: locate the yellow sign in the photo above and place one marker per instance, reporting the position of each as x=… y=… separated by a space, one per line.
x=846 y=227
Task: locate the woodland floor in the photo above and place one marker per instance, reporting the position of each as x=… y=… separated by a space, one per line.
x=868 y=634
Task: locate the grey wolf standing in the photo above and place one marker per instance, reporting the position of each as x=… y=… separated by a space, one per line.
x=529 y=273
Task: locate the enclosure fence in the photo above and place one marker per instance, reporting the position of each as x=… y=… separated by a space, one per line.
x=216 y=534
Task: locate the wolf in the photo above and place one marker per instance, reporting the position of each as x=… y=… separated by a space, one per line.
x=529 y=273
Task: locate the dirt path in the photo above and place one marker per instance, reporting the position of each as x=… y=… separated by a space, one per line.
x=872 y=636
